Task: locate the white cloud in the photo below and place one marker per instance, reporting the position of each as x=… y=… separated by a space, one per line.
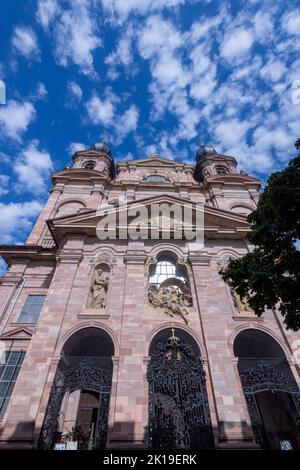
x=231 y=132
x=122 y=8
x=4 y=179
x=100 y=111
x=158 y=36
x=273 y=70
x=75 y=147
x=15 y=118
x=33 y=167
x=291 y=22
x=123 y=53
x=16 y=219
x=103 y=112
x=47 y=10
x=75 y=92
x=41 y=91
x=24 y=42
x=126 y=123
x=167 y=70
x=263 y=26
x=237 y=44
x=75 y=32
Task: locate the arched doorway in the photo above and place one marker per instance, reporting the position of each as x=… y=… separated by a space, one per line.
x=179 y=416
x=270 y=390
x=78 y=406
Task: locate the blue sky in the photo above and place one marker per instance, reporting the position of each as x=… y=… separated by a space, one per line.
x=147 y=76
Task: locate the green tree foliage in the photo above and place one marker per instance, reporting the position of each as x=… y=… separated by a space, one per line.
x=269 y=276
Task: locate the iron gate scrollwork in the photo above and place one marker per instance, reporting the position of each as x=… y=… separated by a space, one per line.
x=179 y=415
x=265 y=377
x=83 y=376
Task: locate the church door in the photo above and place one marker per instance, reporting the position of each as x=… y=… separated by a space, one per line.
x=179 y=415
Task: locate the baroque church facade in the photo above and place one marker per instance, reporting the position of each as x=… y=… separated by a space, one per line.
x=136 y=342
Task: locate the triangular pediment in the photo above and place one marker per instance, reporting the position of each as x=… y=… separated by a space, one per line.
x=154 y=161
x=17 y=334
x=217 y=223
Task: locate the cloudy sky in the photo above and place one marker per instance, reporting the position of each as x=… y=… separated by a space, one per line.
x=147 y=76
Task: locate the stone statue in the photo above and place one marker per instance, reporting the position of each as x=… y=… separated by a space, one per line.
x=99 y=289
x=171 y=299
x=241 y=305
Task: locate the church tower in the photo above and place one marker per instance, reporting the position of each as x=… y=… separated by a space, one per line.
x=224 y=186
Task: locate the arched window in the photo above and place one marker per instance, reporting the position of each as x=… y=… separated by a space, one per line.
x=155 y=179
x=221 y=170
x=166 y=269
x=89 y=165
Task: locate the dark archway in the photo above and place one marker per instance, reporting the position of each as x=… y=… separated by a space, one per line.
x=270 y=390
x=85 y=369
x=179 y=416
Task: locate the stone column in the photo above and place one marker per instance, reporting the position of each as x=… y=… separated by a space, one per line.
x=129 y=426
x=234 y=425
x=32 y=379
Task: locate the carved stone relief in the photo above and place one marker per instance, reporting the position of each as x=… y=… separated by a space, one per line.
x=172 y=296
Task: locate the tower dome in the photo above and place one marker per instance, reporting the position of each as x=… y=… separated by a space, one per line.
x=101 y=147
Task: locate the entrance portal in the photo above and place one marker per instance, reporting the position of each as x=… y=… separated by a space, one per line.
x=78 y=406
x=179 y=415
x=270 y=390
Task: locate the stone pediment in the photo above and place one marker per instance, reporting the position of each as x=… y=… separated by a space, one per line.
x=155 y=161
x=217 y=223
x=17 y=334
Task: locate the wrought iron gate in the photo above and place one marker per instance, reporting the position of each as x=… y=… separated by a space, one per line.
x=179 y=415
x=263 y=377
x=85 y=375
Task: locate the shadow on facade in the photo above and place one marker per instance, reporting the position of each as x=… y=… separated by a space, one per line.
x=21 y=438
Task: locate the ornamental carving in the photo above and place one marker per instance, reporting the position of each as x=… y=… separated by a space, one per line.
x=266 y=376
x=240 y=304
x=98 y=289
x=172 y=296
x=105 y=258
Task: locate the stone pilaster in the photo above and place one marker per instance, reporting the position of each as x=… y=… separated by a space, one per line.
x=129 y=425
x=234 y=425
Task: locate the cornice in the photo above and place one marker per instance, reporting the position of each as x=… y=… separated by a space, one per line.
x=31 y=252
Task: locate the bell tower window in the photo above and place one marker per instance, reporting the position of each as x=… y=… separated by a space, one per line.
x=221 y=170
x=89 y=165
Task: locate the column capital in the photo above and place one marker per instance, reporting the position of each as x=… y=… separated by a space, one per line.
x=69 y=256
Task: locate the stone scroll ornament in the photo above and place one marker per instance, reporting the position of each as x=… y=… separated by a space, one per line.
x=172 y=296
x=99 y=288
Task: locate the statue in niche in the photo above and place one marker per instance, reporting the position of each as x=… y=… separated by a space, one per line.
x=240 y=305
x=172 y=296
x=99 y=289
